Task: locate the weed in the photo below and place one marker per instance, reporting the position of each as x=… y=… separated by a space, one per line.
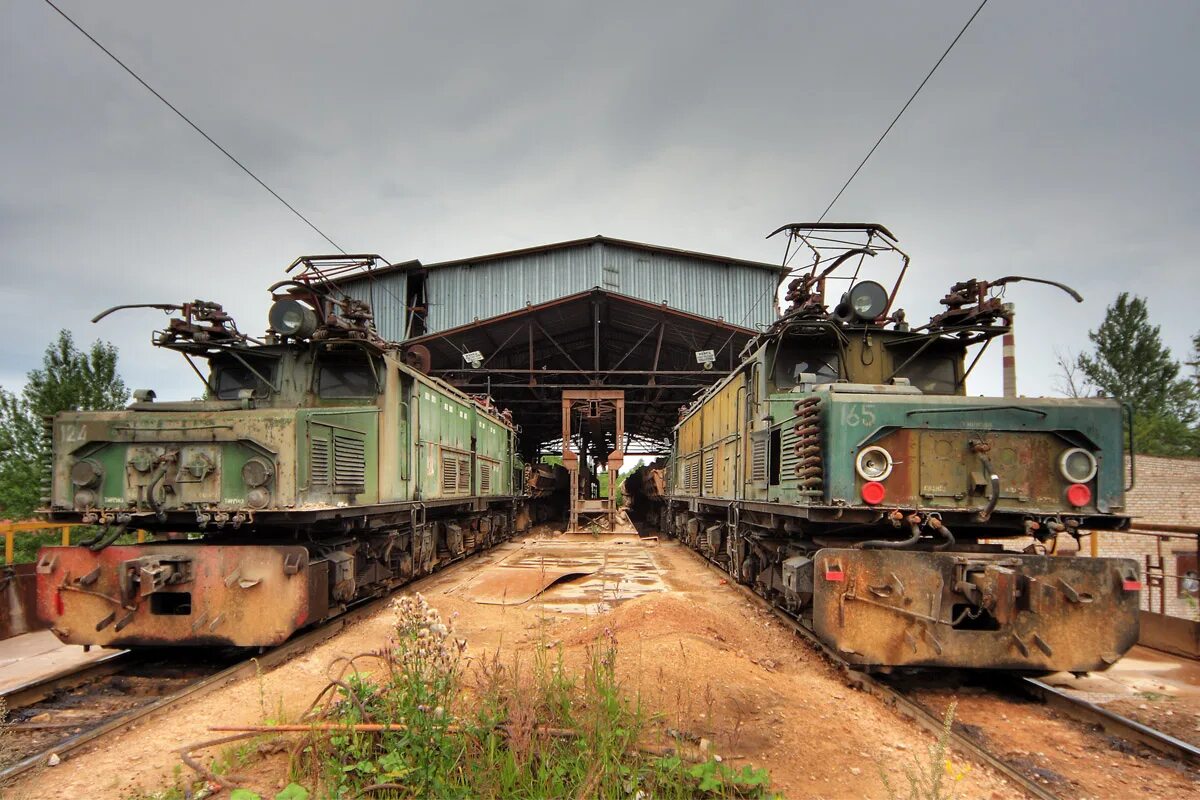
x=927 y=779
x=531 y=728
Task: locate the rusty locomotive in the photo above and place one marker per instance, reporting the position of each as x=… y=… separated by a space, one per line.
x=842 y=472
x=319 y=468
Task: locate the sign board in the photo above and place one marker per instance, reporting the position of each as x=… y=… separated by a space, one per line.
x=706 y=356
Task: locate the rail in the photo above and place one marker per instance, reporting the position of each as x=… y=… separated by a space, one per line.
x=244 y=668
x=1074 y=707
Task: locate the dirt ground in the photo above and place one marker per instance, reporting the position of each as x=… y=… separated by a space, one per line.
x=697 y=652
x=1156 y=689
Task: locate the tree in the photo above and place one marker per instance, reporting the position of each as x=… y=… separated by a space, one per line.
x=68 y=380
x=1069 y=382
x=1130 y=362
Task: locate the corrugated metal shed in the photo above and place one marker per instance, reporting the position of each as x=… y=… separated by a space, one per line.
x=455 y=293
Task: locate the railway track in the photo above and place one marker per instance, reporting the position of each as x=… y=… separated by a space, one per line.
x=908 y=704
x=164 y=684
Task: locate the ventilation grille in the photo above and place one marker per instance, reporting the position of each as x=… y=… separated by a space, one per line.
x=485 y=478
x=349 y=461
x=709 y=478
x=318 y=472
x=758 y=460
x=449 y=473
x=456 y=474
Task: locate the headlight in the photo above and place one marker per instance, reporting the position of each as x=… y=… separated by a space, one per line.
x=258 y=498
x=86 y=473
x=873 y=464
x=868 y=300
x=256 y=472
x=292 y=318
x=1077 y=465
x=84 y=499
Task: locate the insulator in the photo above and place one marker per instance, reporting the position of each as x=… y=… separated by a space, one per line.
x=807 y=472
x=809 y=462
x=811 y=483
x=806 y=430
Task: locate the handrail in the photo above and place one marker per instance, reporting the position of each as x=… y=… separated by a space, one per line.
x=9 y=530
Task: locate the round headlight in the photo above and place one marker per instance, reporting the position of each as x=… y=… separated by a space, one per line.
x=873 y=464
x=86 y=473
x=256 y=472
x=84 y=499
x=868 y=300
x=293 y=318
x=1077 y=465
x=258 y=498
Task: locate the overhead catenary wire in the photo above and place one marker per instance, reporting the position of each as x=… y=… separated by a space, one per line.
x=867 y=157
x=214 y=143
x=194 y=126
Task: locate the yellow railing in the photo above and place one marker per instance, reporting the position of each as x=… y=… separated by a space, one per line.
x=10 y=530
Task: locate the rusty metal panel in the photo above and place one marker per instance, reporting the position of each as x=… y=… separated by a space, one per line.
x=908 y=608
x=18 y=601
x=1170 y=634
x=176 y=593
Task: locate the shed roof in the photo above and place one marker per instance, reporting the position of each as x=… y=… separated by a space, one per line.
x=415 y=265
x=591 y=339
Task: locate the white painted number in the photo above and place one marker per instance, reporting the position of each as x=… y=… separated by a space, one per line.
x=855 y=415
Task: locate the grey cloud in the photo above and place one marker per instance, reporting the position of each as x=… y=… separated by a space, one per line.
x=1057 y=139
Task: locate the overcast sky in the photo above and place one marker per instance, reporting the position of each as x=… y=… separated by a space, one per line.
x=1058 y=139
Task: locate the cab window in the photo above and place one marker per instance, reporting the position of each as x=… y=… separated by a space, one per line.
x=230 y=376
x=932 y=374
x=793 y=362
x=346 y=376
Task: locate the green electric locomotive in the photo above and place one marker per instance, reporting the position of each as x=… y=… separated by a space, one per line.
x=318 y=469
x=842 y=471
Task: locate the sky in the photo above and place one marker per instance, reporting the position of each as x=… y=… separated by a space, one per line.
x=1057 y=140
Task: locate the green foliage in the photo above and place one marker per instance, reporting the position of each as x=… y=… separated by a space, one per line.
x=68 y=379
x=293 y=791
x=1130 y=362
x=519 y=731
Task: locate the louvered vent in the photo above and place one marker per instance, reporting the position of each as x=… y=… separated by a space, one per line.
x=449 y=473
x=318 y=465
x=758 y=460
x=349 y=461
x=709 y=478
x=485 y=478
x=694 y=475
x=464 y=475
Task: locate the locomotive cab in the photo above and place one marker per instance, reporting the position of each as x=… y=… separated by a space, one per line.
x=843 y=472
x=317 y=468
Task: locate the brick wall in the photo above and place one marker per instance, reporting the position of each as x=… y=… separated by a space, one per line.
x=1167 y=490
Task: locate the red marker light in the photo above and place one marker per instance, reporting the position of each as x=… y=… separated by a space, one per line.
x=873 y=493
x=835 y=575
x=1131 y=585
x=1079 y=495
